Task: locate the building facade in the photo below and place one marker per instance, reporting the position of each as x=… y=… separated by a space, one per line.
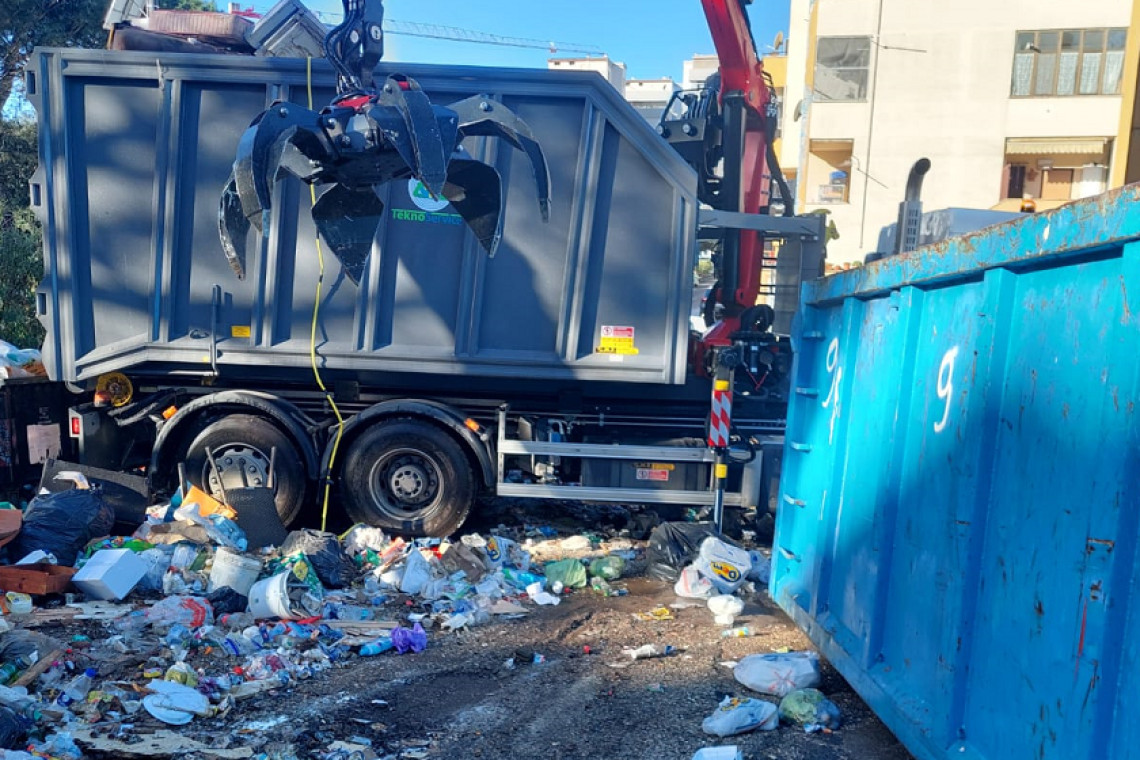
x=1009 y=99
x=651 y=97
x=612 y=71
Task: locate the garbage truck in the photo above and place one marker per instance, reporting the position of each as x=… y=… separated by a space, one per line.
x=562 y=368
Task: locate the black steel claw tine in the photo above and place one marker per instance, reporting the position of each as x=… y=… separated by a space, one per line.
x=261 y=147
x=475 y=192
x=484 y=117
x=233 y=228
x=347 y=221
x=429 y=133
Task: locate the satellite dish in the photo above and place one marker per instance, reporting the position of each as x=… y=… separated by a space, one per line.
x=778 y=43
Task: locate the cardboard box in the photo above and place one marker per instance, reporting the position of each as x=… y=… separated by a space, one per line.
x=36 y=579
x=110 y=574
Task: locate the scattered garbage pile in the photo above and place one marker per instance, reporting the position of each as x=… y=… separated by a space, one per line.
x=191 y=614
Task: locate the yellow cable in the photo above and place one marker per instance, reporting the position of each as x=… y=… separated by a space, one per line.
x=313 y=333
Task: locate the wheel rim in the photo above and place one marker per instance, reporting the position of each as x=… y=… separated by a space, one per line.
x=238 y=466
x=403 y=482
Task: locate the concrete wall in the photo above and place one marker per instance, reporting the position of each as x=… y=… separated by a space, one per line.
x=940 y=88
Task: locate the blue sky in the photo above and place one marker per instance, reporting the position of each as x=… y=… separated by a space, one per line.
x=651 y=37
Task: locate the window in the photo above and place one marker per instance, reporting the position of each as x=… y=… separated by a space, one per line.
x=829 y=171
x=1068 y=62
x=842 y=65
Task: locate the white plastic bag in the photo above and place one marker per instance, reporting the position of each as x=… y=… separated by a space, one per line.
x=417 y=573
x=692 y=586
x=157 y=562
x=725 y=608
x=778 y=674
x=761 y=570
x=738 y=716
x=723 y=564
x=360 y=538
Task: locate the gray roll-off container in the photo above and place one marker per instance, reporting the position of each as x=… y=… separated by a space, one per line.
x=135 y=149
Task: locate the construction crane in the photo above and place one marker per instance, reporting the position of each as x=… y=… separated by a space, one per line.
x=435 y=31
x=456 y=34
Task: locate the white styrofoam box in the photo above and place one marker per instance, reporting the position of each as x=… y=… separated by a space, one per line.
x=110 y=574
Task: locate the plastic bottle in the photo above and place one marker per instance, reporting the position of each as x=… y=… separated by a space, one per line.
x=238 y=645
x=11 y=670
x=77 y=688
x=649 y=650
x=236 y=621
x=740 y=632
x=374 y=648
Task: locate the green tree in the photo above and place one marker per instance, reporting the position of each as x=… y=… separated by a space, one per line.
x=187 y=5
x=21 y=257
x=26 y=24
x=21 y=268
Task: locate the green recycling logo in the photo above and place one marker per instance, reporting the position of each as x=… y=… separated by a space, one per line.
x=422 y=198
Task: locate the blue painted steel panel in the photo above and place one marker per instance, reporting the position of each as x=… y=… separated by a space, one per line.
x=960 y=496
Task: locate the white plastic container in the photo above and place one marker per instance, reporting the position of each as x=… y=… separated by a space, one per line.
x=719 y=753
x=234 y=569
x=110 y=574
x=726 y=566
x=269 y=598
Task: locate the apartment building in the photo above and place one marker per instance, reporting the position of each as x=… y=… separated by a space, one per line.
x=1009 y=99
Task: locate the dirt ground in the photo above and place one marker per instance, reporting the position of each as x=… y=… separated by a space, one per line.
x=461 y=699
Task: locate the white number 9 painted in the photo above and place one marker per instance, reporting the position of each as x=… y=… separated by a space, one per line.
x=946 y=386
x=832 y=399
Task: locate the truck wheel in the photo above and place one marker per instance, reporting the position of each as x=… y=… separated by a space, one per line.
x=408 y=477
x=242 y=445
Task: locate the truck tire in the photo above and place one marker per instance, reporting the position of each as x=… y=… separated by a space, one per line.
x=409 y=477
x=246 y=441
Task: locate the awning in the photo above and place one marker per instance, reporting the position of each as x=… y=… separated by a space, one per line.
x=1056 y=146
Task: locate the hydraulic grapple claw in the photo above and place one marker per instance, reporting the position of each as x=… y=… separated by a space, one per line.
x=366 y=138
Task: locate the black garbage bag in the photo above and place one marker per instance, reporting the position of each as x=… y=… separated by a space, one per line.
x=20 y=643
x=13 y=729
x=673 y=545
x=225 y=600
x=333 y=566
x=63 y=523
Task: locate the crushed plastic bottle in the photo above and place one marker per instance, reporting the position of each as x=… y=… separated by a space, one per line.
x=77 y=688
x=236 y=621
x=649 y=651
x=12 y=669
x=601 y=586
x=740 y=632
x=239 y=646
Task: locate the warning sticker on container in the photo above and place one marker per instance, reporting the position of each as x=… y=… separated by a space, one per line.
x=240 y=331
x=646 y=474
x=617 y=340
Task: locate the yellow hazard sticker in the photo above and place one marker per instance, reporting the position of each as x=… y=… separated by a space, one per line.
x=240 y=331
x=617 y=340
